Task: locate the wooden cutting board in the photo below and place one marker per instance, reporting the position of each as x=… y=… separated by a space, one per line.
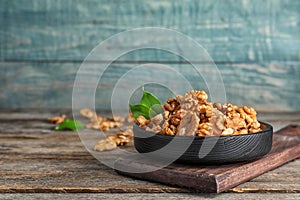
x=218 y=178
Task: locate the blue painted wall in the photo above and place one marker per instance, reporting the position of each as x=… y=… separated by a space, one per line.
x=255 y=44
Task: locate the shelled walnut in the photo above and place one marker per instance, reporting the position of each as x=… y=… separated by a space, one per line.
x=57 y=119
x=192 y=115
x=102 y=123
x=120 y=138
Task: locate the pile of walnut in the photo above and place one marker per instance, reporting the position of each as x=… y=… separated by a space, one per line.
x=192 y=115
x=120 y=138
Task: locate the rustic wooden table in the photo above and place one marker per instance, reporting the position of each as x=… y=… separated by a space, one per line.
x=37 y=162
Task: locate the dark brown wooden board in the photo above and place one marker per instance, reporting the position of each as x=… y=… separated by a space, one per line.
x=216 y=179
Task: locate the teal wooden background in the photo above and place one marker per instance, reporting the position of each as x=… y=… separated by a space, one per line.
x=255 y=44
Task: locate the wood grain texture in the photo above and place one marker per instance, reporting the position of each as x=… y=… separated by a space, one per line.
x=42 y=43
x=50 y=85
x=35 y=159
x=231 y=31
x=146 y=196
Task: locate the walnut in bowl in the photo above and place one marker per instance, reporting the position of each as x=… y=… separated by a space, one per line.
x=236 y=132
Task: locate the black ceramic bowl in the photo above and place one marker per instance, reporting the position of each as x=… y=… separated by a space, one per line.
x=214 y=150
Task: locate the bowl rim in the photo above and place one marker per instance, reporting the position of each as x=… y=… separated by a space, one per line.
x=268 y=128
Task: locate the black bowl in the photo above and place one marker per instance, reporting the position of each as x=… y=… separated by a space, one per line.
x=214 y=150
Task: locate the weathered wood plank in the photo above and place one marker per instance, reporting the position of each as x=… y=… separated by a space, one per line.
x=43 y=175
x=90 y=177
x=146 y=196
x=49 y=85
x=235 y=31
x=33 y=160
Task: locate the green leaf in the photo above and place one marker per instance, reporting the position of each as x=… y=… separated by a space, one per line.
x=139 y=110
x=155 y=110
x=69 y=124
x=149 y=106
x=149 y=99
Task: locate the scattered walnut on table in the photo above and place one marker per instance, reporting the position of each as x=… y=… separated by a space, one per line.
x=102 y=123
x=120 y=138
x=106 y=144
x=88 y=114
x=117 y=119
x=127 y=133
x=57 y=119
x=130 y=118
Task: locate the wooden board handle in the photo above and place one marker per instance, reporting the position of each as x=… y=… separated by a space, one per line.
x=290 y=130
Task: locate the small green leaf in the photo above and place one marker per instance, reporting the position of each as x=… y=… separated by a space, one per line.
x=69 y=124
x=149 y=99
x=155 y=110
x=149 y=106
x=139 y=110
